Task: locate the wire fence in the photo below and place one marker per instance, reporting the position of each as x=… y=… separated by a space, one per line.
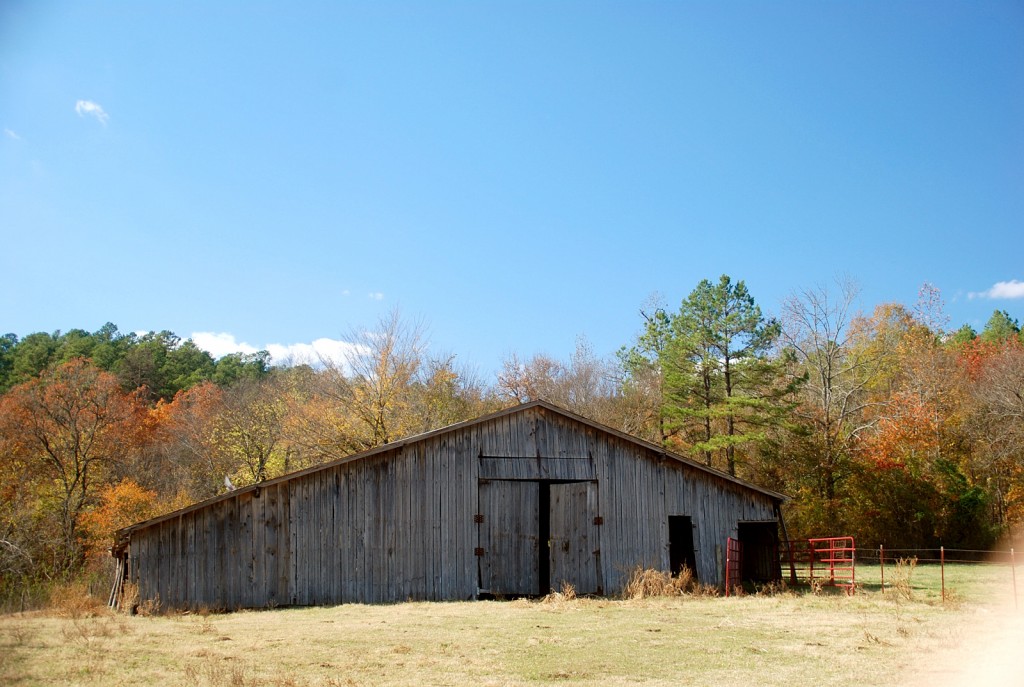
x=937 y=555
x=804 y=558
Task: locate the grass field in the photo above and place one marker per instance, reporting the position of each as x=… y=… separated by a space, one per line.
x=790 y=638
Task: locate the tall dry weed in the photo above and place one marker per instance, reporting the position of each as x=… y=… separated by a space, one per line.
x=646 y=582
x=73 y=600
x=567 y=592
x=129 y=601
x=902 y=578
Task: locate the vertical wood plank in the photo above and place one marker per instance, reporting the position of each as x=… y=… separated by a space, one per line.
x=294 y=502
x=447 y=549
x=303 y=541
x=219 y=555
x=319 y=592
x=259 y=548
x=284 y=541
x=245 y=507
x=433 y=505
x=210 y=554
x=272 y=545
x=334 y=557
x=351 y=533
x=231 y=563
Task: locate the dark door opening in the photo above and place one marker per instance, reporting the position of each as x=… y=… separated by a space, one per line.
x=544 y=540
x=760 y=551
x=681 y=551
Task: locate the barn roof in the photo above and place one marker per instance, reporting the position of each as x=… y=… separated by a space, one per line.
x=121 y=535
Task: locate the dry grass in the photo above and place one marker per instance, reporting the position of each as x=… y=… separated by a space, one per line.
x=644 y=583
x=779 y=639
x=903 y=579
x=73 y=600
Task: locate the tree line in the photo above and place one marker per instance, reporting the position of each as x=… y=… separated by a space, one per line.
x=159 y=363
x=887 y=426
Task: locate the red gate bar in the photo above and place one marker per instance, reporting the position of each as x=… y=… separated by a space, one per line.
x=826 y=560
x=733 y=563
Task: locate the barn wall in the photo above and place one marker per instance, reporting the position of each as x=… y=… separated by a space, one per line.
x=639 y=489
x=399 y=524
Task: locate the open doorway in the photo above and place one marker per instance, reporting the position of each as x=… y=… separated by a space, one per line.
x=760 y=542
x=681 y=551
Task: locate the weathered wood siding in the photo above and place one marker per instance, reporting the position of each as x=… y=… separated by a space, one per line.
x=427 y=519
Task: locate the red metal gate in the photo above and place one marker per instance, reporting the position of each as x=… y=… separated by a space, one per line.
x=733 y=563
x=824 y=560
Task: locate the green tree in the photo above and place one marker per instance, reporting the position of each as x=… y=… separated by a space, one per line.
x=185 y=366
x=32 y=355
x=75 y=343
x=237 y=366
x=1000 y=327
x=733 y=344
x=962 y=336
x=690 y=373
x=110 y=346
x=720 y=385
x=164 y=365
x=641 y=386
x=7 y=344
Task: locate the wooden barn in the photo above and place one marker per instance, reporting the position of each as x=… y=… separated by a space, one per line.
x=513 y=503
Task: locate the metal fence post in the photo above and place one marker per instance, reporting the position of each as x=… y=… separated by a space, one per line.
x=881 y=562
x=942 y=566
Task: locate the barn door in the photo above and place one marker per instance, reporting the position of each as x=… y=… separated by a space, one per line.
x=508 y=536
x=574 y=540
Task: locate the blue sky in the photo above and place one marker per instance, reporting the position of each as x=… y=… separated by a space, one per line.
x=514 y=174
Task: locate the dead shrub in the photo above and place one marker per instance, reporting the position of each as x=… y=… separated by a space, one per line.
x=776 y=588
x=73 y=600
x=567 y=593
x=129 y=598
x=647 y=582
x=149 y=607
x=902 y=578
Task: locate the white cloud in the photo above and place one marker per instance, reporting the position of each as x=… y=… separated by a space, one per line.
x=12 y=135
x=1003 y=290
x=322 y=351
x=376 y=296
x=317 y=354
x=88 y=107
x=220 y=344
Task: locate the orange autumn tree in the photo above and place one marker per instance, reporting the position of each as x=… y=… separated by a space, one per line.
x=63 y=431
x=996 y=421
x=905 y=438
x=188 y=427
x=914 y=479
x=893 y=479
x=120 y=505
